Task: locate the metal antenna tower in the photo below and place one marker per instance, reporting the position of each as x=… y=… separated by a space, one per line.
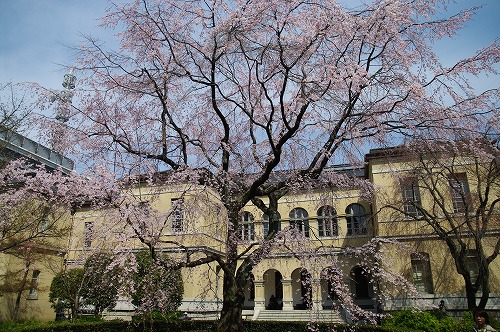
x=62 y=112
x=65 y=96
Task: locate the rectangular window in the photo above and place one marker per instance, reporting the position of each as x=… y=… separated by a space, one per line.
x=327 y=227
x=321 y=228
x=299 y=220
x=422 y=277
x=472 y=264
x=411 y=198
x=89 y=233
x=246 y=227
x=460 y=194
x=33 y=294
x=247 y=232
x=44 y=223
x=177 y=216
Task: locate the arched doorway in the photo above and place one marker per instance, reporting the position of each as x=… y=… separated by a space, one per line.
x=362 y=288
x=302 y=290
x=273 y=288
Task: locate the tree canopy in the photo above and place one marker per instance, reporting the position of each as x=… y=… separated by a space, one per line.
x=235 y=92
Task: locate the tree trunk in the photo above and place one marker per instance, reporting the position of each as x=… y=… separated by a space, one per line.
x=481 y=284
x=74 y=309
x=232 y=305
x=233 y=294
x=485 y=288
x=470 y=293
x=20 y=291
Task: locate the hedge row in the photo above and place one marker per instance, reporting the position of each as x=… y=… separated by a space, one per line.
x=199 y=326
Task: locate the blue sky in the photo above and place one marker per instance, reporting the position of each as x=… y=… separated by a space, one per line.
x=35 y=35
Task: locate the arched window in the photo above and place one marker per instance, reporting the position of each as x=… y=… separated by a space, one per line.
x=265 y=224
x=327 y=221
x=33 y=294
x=298 y=219
x=356 y=219
x=246 y=228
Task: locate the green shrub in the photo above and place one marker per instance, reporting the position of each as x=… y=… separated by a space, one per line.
x=191 y=326
x=101 y=326
x=427 y=321
x=157 y=316
x=423 y=321
x=256 y=326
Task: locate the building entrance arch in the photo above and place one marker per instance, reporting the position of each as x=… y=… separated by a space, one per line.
x=301 y=289
x=273 y=289
x=328 y=294
x=362 y=288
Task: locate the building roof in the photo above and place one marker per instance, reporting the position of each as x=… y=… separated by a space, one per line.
x=14 y=145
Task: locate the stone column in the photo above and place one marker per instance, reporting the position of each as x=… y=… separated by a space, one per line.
x=316 y=295
x=260 y=301
x=287 y=295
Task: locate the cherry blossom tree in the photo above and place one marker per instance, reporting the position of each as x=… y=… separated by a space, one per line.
x=156 y=287
x=102 y=287
x=236 y=92
x=66 y=290
x=35 y=205
x=455 y=192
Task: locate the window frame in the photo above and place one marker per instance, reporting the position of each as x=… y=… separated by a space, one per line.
x=471 y=263
x=300 y=221
x=422 y=273
x=33 y=291
x=411 y=198
x=246 y=227
x=459 y=191
x=177 y=215
x=265 y=224
x=327 y=222
x=356 y=223
x=44 y=223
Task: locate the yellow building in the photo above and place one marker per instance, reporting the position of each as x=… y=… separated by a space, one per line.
x=333 y=219
x=432 y=202
x=33 y=240
x=184 y=218
x=329 y=218
x=26 y=277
